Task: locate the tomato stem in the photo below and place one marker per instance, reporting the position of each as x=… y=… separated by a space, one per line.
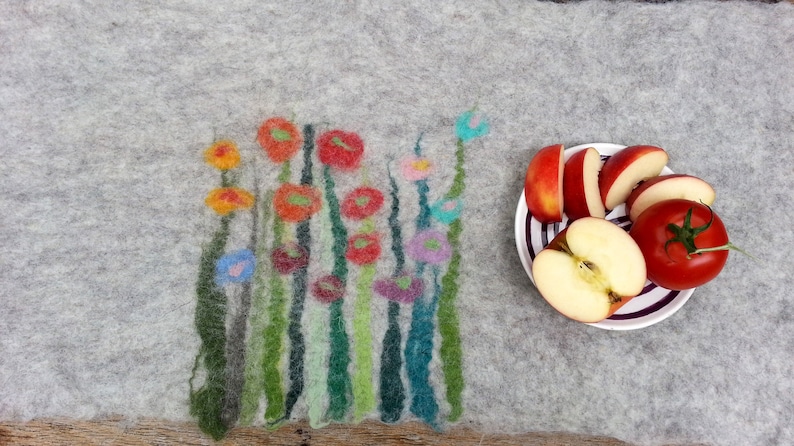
x=685 y=234
x=725 y=247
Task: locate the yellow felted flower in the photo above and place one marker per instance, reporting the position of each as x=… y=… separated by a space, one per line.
x=229 y=199
x=223 y=155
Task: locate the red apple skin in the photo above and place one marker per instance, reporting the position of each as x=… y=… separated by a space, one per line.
x=618 y=163
x=543 y=184
x=575 y=203
x=682 y=192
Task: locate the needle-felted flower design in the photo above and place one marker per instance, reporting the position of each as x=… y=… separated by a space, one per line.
x=341 y=150
x=416 y=168
x=222 y=155
x=328 y=289
x=276 y=338
x=289 y=258
x=447 y=210
x=235 y=267
x=429 y=246
x=403 y=289
x=363 y=249
x=471 y=125
x=295 y=203
x=225 y=200
x=361 y=203
x=280 y=139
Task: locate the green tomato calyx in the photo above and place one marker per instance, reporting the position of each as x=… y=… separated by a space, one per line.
x=686 y=234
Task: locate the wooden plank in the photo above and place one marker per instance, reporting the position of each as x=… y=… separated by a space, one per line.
x=124 y=432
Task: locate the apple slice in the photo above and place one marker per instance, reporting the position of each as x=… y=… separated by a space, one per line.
x=623 y=170
x=666 y=187
x=580 y=185
x=589 y=270
x=543 y=184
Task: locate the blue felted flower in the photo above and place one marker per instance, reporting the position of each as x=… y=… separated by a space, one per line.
x=447 y=211
x=235 y=267
x=471 y=125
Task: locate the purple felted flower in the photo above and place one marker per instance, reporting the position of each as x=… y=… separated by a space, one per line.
x=404 y=288
x=429 y=246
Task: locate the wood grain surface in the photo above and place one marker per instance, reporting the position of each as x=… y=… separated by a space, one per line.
x=120 y=431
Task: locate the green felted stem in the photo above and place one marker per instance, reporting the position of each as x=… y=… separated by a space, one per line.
x=449 y=324
x=206 y=403
x=253 y=388
x=449 y=327
x=363 y=392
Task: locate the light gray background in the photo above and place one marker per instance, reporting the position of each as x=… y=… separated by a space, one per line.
x=105 y=108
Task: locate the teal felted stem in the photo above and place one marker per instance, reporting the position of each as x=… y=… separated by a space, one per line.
x=339 y=385
x=297 y=342
x=337 y=227
x=419 y=345
x=419 y=352
x=396 y=229
x=423 y=218
x=449 y=327
x=392 y=390
x=253 y=387
x=206 y=403
x=299 y=289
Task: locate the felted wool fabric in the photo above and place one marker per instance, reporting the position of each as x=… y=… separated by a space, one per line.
x=254 y=213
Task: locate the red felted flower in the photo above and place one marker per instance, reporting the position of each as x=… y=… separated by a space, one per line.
x=341 y=150
x=328 y=289
x=363 y=202
x=289 y=257
x=295 y=203
x=280 y=138
x=363 y=249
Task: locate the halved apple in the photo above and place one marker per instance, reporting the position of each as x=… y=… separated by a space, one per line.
x=581 y=197
x=543 y=184
x=623 y=170
x=589 y=270
x=666 y=187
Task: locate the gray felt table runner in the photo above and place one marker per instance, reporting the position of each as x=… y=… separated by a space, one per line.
x=155 y=157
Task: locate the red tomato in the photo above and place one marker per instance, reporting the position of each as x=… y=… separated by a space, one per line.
x=676 y=237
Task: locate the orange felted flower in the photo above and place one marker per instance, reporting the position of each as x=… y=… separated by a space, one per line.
x=296 y=203
x=280 y=138
x=229 y=199
x=223 y=155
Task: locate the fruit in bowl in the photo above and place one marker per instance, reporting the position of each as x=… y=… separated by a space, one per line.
x=624 y=170
x=589 y=270
x=597 y=263
x=543 y=184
